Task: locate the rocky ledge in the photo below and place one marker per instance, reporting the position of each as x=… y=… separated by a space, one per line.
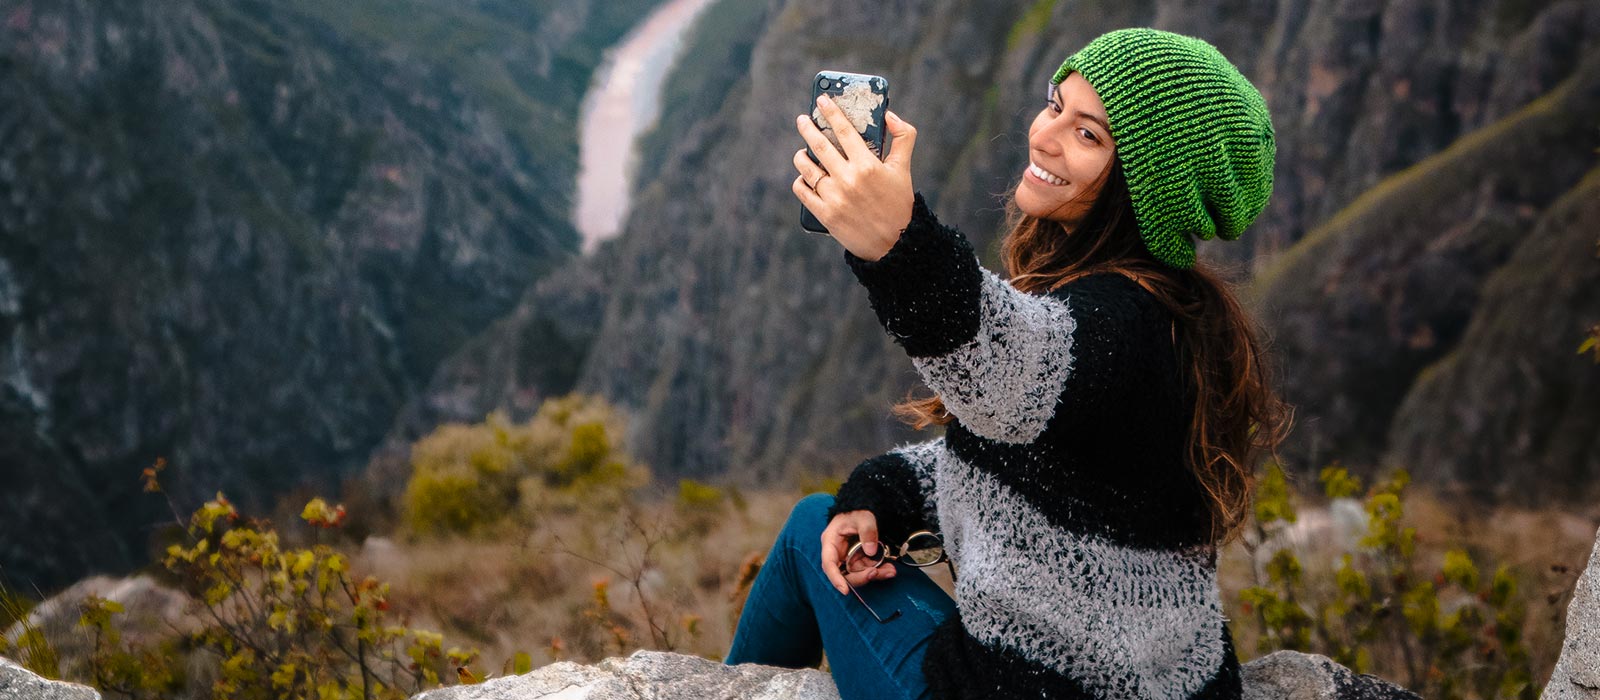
x=18 y=683
x=654 y=675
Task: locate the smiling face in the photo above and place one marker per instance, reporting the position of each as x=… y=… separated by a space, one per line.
x=1069 y=152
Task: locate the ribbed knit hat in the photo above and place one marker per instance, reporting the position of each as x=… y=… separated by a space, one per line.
x=1193 y=135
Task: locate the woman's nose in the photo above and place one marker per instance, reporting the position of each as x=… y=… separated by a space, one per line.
x=1056 y=130
x=1047 y=139
x=1045 y=145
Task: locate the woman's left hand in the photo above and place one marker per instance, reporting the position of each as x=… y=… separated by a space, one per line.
x=864 y=202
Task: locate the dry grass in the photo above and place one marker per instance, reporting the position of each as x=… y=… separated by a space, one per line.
x=533 y=589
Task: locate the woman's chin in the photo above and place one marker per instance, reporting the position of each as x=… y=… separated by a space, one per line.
x=1028 y=203
x=1033 y=206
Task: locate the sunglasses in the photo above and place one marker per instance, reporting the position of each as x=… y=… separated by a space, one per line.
x=921 y=549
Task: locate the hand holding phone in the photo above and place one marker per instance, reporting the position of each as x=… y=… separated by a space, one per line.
x=860 y=188
x=865 y=100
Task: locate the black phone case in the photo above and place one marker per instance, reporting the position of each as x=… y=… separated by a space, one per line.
x=866 y=99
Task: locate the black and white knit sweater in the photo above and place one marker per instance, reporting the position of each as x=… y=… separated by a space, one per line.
x=1081 y=541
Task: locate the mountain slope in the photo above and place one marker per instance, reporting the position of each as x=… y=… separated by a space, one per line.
x=240 y=235
x=1512 y=410
x=1388 y=286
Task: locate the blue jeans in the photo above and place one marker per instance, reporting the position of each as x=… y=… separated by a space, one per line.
x=794 y=613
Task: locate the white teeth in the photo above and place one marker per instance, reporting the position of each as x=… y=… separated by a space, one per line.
x=1045 y=175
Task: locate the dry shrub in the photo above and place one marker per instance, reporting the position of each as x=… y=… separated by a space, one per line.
x=469 y=479
x=1451 y=599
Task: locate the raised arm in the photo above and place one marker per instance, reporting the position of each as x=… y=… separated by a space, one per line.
x=999 y=358
x=898 y=487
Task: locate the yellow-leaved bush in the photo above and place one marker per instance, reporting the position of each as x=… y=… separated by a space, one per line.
x=1442 y=632
x=466 y=479
x=274 y=621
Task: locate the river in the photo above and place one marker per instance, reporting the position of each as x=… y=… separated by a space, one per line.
x=623 y=101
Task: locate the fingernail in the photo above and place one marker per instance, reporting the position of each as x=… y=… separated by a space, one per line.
x=871 y=548
x=893 y=116
x=821 y=99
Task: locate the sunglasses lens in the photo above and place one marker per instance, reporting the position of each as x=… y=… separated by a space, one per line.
x=923 y=550
x=858 y=560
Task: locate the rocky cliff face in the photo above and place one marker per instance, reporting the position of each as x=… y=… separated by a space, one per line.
x=1512 y=385
x=540 y=348
x=1432 y=323
x=744 y=346
x=240 y=235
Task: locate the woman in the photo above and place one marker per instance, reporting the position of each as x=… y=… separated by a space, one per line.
x=1103 y=407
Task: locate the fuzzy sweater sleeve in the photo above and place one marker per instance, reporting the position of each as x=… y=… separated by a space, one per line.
x=998 y=357
x=897 y=487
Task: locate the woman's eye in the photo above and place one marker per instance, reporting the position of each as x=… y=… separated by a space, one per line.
x=1051 y=105
x=1088 y=134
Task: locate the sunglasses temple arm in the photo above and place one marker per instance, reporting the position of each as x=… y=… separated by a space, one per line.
x=863 y=601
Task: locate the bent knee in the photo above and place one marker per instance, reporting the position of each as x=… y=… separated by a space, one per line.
x=813 y=506
x=809 y=517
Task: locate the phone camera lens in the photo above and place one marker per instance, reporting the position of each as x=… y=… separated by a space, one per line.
x=823 y=83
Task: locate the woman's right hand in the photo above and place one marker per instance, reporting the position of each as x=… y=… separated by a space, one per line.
x=863 y=525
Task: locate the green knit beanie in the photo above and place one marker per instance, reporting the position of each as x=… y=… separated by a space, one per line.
x=1193 y=135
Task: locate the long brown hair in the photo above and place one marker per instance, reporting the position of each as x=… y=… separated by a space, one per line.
x=1238 y=418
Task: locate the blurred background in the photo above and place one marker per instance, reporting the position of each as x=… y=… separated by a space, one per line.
x=279 y=247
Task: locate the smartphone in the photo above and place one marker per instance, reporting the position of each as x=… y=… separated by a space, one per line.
x=865 y=100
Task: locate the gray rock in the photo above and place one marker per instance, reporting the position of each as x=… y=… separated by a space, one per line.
x=151 y=611
x=656 y=675
x=652 y=675
x=1291 y=675
x=18 y=683
x=1577 y=672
